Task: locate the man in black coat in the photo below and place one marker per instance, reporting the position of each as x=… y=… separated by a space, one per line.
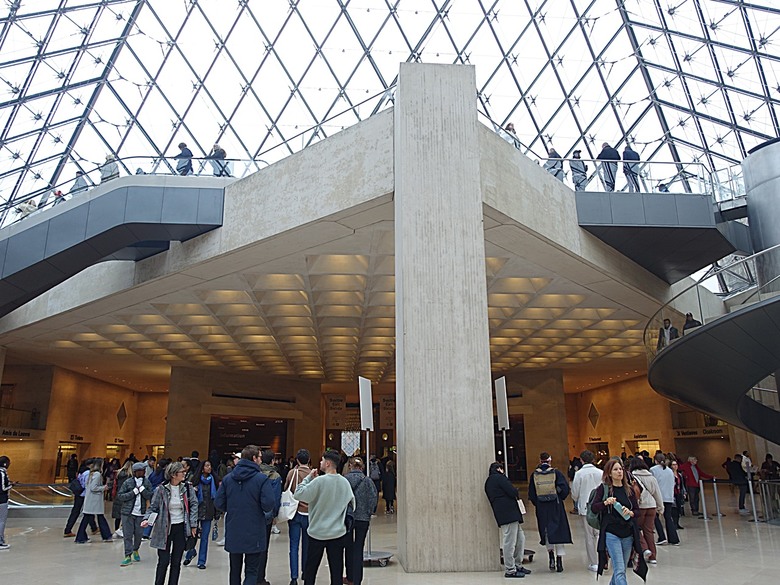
x=740 y=479
x=248 y=495
x=503 y=498
x=608 y=169
x=666 y=335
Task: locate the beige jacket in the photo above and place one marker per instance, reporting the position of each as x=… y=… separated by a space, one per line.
x=294 y=477
x=651 y=493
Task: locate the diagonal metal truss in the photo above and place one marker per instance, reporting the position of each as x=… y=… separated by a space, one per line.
x=682 y=80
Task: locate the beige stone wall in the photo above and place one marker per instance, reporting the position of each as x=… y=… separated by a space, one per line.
x=152 y=414
x=81 y=410
x=626 y=410
x=543 y=407
x=195 y=395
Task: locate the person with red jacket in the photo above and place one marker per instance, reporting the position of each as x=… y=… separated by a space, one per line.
x=692 y=474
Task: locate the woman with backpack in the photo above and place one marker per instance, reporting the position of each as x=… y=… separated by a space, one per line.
x=651 y=503
x=375 y=472
x=615 y=502
x=365 y=505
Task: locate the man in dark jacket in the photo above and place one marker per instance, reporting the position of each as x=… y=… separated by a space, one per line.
x=631 y=168
x=547 y=489
x=266 y=467
x=248 y=496
x=72 y=467
x=608 y=169
x=740 y=479
x=503 y=498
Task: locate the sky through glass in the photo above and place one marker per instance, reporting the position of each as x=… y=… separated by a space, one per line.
x=682 y=80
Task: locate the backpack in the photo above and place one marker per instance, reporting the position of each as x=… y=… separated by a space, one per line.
x=75 y=487
x=593 y=519
x=374 y=472
x=544 y=482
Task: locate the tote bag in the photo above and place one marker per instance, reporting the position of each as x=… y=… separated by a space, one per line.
x=289 y=505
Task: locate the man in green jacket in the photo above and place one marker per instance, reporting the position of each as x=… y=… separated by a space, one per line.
x=328 y=495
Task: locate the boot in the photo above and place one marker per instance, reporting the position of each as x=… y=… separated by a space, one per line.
x=559 y=565
x=552 y=560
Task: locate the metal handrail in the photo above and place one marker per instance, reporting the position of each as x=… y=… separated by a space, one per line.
x=705 y=277
x=256 y=159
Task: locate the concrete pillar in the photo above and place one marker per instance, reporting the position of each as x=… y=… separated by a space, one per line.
x=762 y=185
x=444 y=405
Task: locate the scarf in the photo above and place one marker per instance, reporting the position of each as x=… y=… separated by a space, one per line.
x=206 y=481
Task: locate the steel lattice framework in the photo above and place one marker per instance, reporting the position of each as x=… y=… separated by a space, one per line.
x=681 y=79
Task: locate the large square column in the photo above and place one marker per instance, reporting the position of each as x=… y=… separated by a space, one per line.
x=443 y=388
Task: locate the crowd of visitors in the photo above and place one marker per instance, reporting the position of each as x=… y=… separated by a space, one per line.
x=607 y=162
x=176 y=507
x=627 y=509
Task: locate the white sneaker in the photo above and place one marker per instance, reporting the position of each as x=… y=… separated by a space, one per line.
x=220 y=542
x=662 y=542
x=275 y=530
x=653 y=562
x=119 y=534
x=5 y=546
x=593 y=568
x=647 y=554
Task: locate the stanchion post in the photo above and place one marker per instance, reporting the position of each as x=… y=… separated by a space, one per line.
x=752 y=498
x=717 y=502
x=703 y=503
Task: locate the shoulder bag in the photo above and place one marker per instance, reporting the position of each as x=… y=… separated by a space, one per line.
x=289 y=506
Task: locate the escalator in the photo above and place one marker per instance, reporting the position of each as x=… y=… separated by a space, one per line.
x=714 y=367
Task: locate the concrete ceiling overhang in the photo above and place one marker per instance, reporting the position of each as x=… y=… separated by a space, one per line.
x=300 y=282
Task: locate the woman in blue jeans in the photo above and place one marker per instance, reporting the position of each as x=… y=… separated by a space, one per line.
x=615 y=501
x=206 y=490
x=299 y=538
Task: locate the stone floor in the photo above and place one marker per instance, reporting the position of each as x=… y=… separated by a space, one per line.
x=729 y=551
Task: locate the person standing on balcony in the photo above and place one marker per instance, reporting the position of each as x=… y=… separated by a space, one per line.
x=579 y=171
x=608 y=167
x=109 y=170
x=631 y=168
x=217 y=158
x=554 y=164
x=80 y=185
x=666 y=335
x=184 y=160
x=690 y=322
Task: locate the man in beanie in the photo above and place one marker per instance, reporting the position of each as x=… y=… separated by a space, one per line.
x=134 y=494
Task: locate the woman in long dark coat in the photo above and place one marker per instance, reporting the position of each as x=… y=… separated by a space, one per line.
x=551 y=517
x=388 y=487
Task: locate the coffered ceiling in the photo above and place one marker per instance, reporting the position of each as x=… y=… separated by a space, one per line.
x=328 y=313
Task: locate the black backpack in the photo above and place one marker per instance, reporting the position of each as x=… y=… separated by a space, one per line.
x=75 y=487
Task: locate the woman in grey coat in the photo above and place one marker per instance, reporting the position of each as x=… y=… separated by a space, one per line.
x=176 y=506
x=93 y=504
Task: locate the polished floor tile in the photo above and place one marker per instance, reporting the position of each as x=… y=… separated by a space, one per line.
x=729 y=551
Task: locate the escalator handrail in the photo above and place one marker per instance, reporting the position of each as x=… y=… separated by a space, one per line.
x=705 y=277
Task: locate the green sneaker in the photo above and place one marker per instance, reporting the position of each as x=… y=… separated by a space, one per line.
x=126 y=562
x=136 y=557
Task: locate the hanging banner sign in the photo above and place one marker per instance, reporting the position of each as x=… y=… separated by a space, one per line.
x=387 y=412
x=337 y=411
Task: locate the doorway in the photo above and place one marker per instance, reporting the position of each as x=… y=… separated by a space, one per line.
x=64 y=452
x=116 y=452
x=601 y=451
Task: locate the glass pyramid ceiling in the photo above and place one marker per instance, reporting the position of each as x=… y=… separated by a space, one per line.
x=681 y=79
